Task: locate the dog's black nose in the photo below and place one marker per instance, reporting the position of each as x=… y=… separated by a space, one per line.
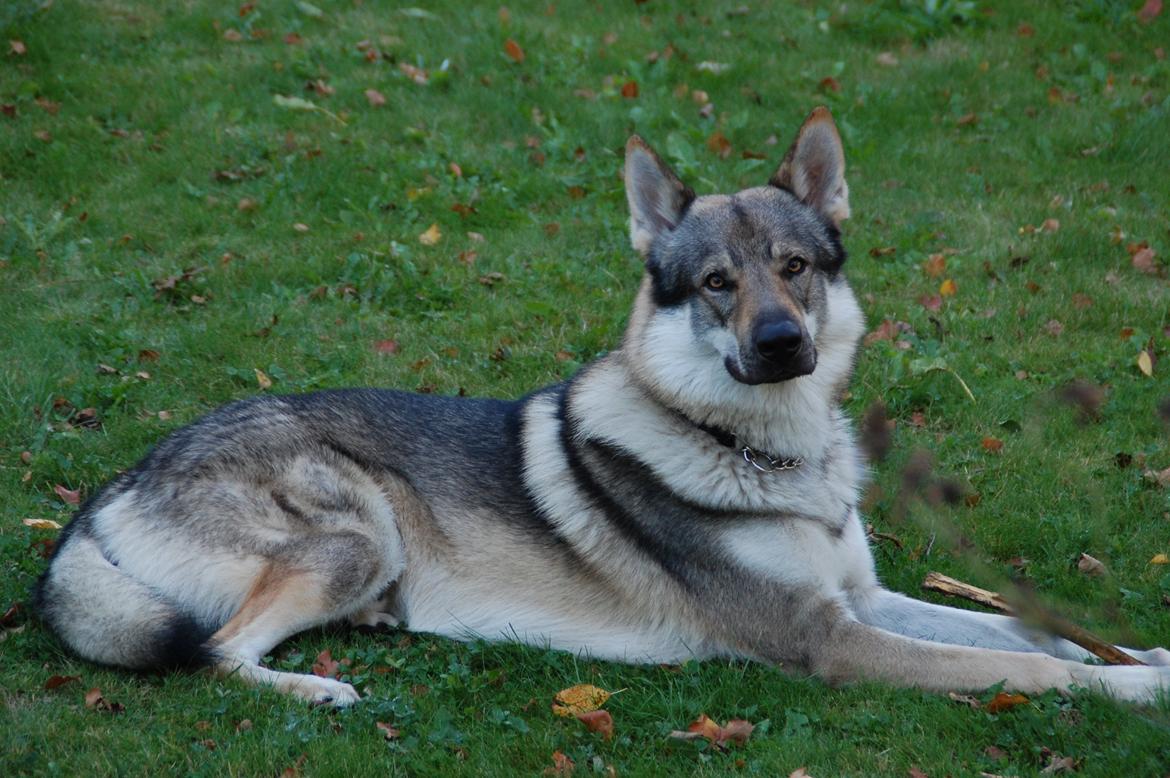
x=778 y=340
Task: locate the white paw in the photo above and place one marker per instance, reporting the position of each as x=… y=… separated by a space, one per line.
x=1156 y=657
x=373 y=619
x=1137 y=684
x=325 y=691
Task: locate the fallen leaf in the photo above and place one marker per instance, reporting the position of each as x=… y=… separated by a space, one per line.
x=562 y=765
x=967 y=120
x=324 y=666
x=830 y=84
x=1050 y=225
x=935 y=265
x=388 y=732
x=931 y=302
x=386 y=346
x=93 y=697
x=432 y=235
x=513 y=50
x=914 y=772
x=1082 y=301
x=882 y=251
x=579 y=699
x=736 y=731
x=375 y=98
x=965 y=699
x=719 y=144
x=948 y=288
x=1160 y=559
x=630 y=90
x=598 y=721
x=17 y=47
x=300 y=227
x=1143 y=260
x=992 y=445
x=1160 y=478
x=1060 y=764
x=95 y=701
x=1090 y=565
x=262 y=379
x=1004 y=701
x=57 y=681
x=68 y=496
x=716 y=68
x=1145 y=363
x=41 y=523
x=245 y=725
x=1149 y=11
x=1053 y=327
x=800 y=772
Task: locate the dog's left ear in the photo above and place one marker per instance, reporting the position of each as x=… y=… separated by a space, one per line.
x=814 y=167
x=658 y=198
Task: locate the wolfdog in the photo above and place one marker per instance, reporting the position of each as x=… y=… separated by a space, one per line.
x=693 y=493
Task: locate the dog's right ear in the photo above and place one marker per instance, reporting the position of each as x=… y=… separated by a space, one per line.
x=658 y=198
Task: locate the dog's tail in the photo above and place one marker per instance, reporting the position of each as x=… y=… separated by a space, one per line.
x=106 y=616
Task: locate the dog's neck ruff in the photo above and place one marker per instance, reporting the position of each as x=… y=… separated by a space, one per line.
x=760 y=460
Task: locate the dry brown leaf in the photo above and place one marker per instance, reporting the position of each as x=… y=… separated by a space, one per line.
x=1090 y=565
x=40 y=523
x=1004 y=701
x=57 y=681
x=431 y=236
x=388 y=732
x=630 y=90
x=325 y=666
x=513 y=50
x=562 y=765
x=68 y=496
x=579 y=699
x=375 y=98
x=736 y=731
x=17 y=48
x=262 y=378
x=935 y=265
x=800 y=772
x=598 y=721
x=914 y=772
x=1143 y=260
x=719 y=144
x=965 y=699
x=992 y=445
x=883 y=251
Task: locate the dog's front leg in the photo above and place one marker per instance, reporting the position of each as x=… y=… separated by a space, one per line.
x=903 y=615
x=855 y=651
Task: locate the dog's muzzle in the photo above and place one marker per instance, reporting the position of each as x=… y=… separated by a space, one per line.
x=780 y=349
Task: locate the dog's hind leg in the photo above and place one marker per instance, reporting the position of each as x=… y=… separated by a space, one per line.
x=332 y=573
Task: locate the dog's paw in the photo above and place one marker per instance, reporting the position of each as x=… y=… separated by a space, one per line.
x=325 y=691
x=1136 y=684
x=1156 y=657
x=373 y=620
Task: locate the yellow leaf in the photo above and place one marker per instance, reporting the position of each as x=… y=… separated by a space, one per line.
x=50 y=524
x=948 y=288
x=1145 y=364
x=579 y=699
x=1159 y=559
x=431 y=236
x=263 y=379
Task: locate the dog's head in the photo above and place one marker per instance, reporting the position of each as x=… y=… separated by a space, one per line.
x=753 y=271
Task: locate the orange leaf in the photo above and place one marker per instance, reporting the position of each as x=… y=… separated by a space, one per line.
x=935 y=265
x=992 y=445
x=325 y=666
x=562 y=765
x=1005 y=701
x=57 y=681
x=948 y=288
x=705 y=727
x=719 y=144
x=388 y=732
x=598 y=721
x=630 y=89
x=432 y=235
x=515 y=53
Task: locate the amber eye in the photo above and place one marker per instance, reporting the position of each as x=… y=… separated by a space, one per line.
x=795 y=265
x=715 y=281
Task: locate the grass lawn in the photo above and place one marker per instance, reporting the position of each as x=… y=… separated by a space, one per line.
x=202 y=201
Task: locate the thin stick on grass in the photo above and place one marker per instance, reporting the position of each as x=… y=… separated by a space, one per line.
x=937 y=582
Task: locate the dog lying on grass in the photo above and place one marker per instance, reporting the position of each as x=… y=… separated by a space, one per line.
x=691 y=494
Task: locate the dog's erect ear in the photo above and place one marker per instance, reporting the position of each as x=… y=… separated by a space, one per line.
x=656 y=195
x=814 y=167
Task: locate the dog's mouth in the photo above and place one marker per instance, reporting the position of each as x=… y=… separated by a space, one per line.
x=767 y=373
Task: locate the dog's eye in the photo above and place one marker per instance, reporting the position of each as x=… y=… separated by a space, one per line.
x=715 y=281
x=795 y=265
